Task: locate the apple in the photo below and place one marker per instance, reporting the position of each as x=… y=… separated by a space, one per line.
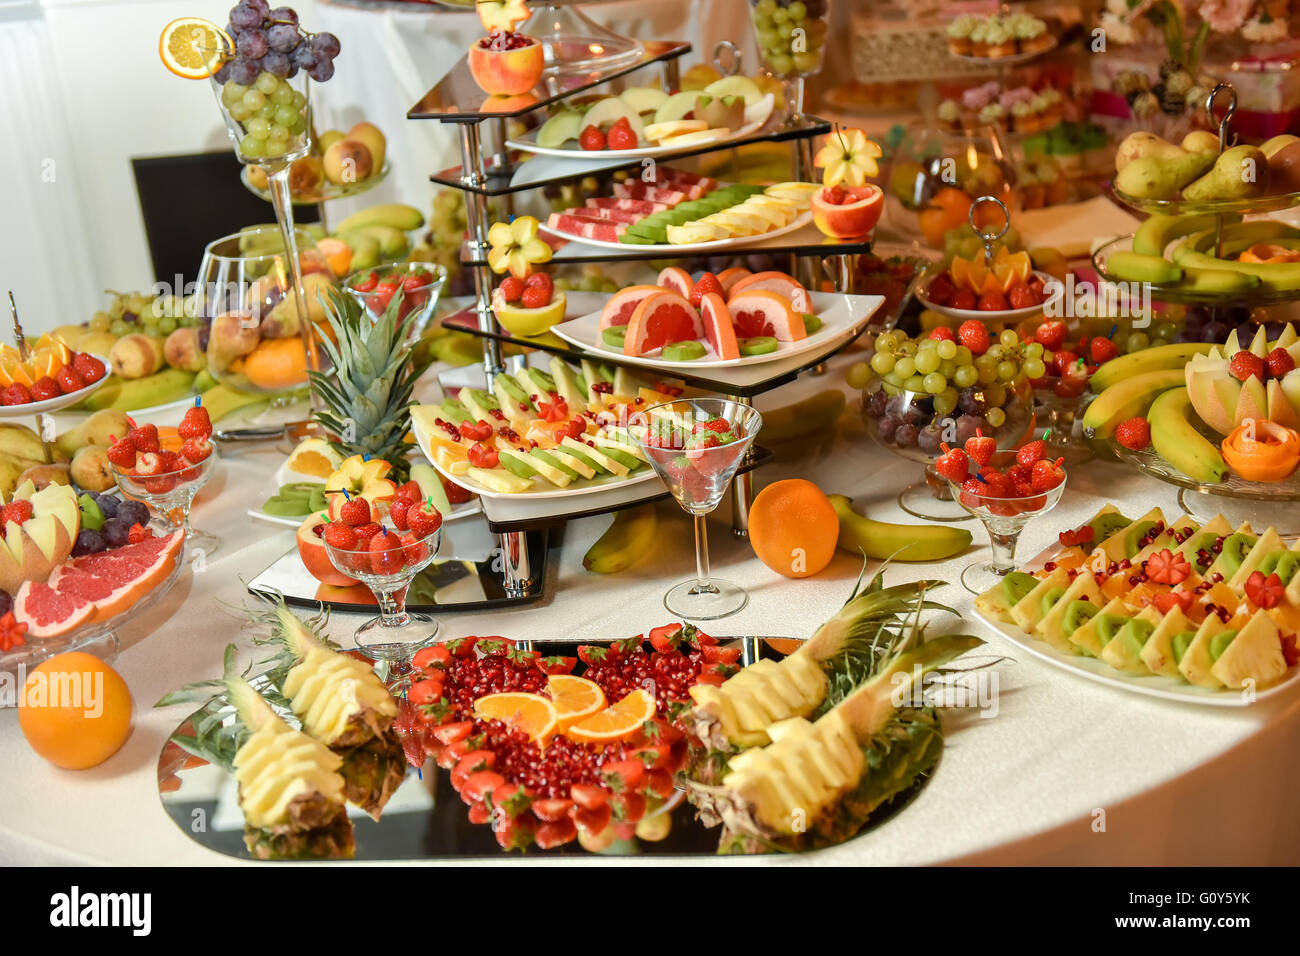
x=507 y=72
x=362 y=477
x=32 y=550
x=848 y=212
x=311 y=549
x=502 y=14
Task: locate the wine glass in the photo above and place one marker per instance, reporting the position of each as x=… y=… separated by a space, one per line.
x=697 y=469
x=172 y=491
x=421 y=284
x=791 y=39
x=396 y=634
x=1004 y=519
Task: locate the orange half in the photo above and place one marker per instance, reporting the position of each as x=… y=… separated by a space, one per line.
x=615 y=723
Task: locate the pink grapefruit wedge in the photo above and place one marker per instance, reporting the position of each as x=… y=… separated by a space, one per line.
x=777 y=282
x=717 y=326
x=660 y=319
x=762 y=312
x=676 y=280
x=729 y=277
x=618 y=310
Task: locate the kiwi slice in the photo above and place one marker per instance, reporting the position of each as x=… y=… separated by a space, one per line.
x=1219 y=643
x=1079 y=613
x=300 y=489
x=686 y=351
x=286 y=507
x=615 y=336
x=1133 y=540
x=1016 y=585
x=317 y=501
x=811 y=323
x=554 y=462
x=1048 y=600
x=622 y=457
x=1235 y=549
x=1181 y=642
x=515 y=464
x=1286 y=566
x=1103 y=526
x=587 y=460
x=1108 y=625
x=758 y=345
x=1269 y=562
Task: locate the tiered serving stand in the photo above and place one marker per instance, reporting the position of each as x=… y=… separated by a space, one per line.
x=489 y=168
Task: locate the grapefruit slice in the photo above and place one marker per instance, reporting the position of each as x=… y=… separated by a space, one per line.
x=661 y=318
x=618 y=310
x=717 y=326
x=763 y=312
x=729 y=277
x=777 y=282
x=676 y=280
x=49 y=613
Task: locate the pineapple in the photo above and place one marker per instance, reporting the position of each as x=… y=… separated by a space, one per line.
x=367 y=395
x=290 y=788
x=340 y=701
x=1253 y=656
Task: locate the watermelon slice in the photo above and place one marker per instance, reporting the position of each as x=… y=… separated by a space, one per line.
x=680 y=177
x=661 y=318
x=729 y=277
x=777 y=282
x=676 y=280
x=608 y=213
x=717 y=326
x=761 y=312
x=586 y=227
x=618 y=310
x=640 y=190
x=643 y=206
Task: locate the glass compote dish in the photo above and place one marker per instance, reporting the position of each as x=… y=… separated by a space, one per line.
x=387 y=568
x=696 y=447
x=1004 y=518
x=791 y=40
x=171 y=494
x=420 y=283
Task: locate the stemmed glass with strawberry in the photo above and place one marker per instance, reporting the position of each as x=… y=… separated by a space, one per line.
x=1004 y=490
x=386 y=558
x=165 y=480
x=696 y=447
x=1060 y=384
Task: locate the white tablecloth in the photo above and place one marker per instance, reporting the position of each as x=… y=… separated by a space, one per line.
x=1177 y=783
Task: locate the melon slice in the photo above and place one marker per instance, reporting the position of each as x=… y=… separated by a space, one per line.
x=717 y=326
x=762 y=312
x=780 y=283
x=676 y=280
x=618 y=310
x=660 y=319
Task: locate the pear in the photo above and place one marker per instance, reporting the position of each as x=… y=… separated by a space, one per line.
x=1141 y=145
x=1161 y=177
x=1200 y=141
x=1238 y=173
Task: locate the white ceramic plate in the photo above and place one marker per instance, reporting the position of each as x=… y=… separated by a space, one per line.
x=1166 y=688
x=528 y=142
x=714 y=245
x=1007 y=315
x=54 y=404
x=840 y=315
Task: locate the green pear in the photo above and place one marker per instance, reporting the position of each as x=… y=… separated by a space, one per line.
x=1142 y=145
x=1200 y=141
x=1239 y=173
x=1161 y=177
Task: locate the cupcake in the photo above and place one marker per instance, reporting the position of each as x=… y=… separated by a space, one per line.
x=1053 y=106
x=949 y=114
x=1031 y=34
x=992 y=115
x=979 y=44
x=1067 y=151
x=1000 y=39
x=1023 y=118
x=959 y=40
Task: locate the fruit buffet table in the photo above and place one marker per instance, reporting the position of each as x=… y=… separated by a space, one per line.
x=1064 y=770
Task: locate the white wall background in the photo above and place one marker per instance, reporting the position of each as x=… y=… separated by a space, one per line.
x=85 y=92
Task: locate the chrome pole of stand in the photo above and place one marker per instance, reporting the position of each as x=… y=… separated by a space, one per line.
x=476 y=215
x=742 y=486
x=515 y=563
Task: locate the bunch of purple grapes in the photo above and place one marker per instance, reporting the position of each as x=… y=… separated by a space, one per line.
x=1214 y=323
x=119 y=515
x=270 y=41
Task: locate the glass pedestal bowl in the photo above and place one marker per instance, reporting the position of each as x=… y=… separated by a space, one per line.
x=421 y=283
x=171 y=495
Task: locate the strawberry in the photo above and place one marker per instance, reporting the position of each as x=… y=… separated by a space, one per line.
x=973 y=335
x=1166 y=601
x=1264 y=592
x=1102 y=349
x=942 y=290
x=69 y=381
x=415 y=549
x=195 y=424
x=386 y=556
x=1166 y=567
x=942 y=334
x=1051 y=334
x=980 y=447
x=434 y=657
x=1022 y=297
x=511 y=288
x=1134 y=433
x=17 y=511
x=953 y=464
x=1246 y=365
x=555 y=833
x=591 y=138
x=622 y=775
x=1047 y=474
x=535 y=297
x=423 y=519
x=666 y=637
x=992 y=301
x=965 y=300
x=621 y=136
x=45 y=388
x=554 y=808
x=355 y=511
x=145 y=438
x=456 y=494
x=196 y=450
x=996 y=484
x=1279 y=362
x=1018 y=472
x=1023 y=489
x=411 y=491
x=88 y=367
x=1063 y=360
x=708 y=283
x=628 y=807
x=593 y=819
x=540 y=280
x=397 y=511
x=1077 y=536
x=148 y=463
x=1031 y=452
x=16 y=394
x=122 y=454
x=339 y=535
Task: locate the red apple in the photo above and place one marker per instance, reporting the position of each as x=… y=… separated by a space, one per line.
x=311 y=549
x=848 y=212
x=507 y=72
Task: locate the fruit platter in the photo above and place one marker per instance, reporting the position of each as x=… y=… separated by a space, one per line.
x=50 y=378
x=1007 y=290
x=646 y=121
x=737 y=318
x=588 y=751
x=1202 y=613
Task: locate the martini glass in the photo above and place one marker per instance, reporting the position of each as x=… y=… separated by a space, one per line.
x=171 y=494
x=791 y=38
x=1004 y=519
x=396 y=634
x=698 y=477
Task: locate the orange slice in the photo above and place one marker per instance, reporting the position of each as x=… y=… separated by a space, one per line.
x=575 y=698
x=615 y=723
x=194 y=48
x=968 y=273
x=1012 y=268
x=45 y=361
x=534 y=714
x=13 y=370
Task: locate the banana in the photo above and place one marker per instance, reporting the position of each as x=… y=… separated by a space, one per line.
x=1158 y=231
x=203 y=381
x=1148 y=360
x=1241 y=235
x=1126 y=399
x=812 y=414
x=624 y=543
x=157 y=389
x=1140 y=267
x=1219 y=281
x=221 y=400
x=395 y=214
x=1277 y=276
x=392 y=242
x=10 y=470
x=365 y=249
x=1178 y=442
x=901 y=542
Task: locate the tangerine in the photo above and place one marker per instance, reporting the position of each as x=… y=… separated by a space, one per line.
x=793 y=528
x=76 y=710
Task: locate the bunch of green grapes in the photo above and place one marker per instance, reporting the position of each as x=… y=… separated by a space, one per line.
x=591 y=279
x=272 y=113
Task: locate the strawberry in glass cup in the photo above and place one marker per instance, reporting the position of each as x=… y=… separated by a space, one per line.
x=419 y=283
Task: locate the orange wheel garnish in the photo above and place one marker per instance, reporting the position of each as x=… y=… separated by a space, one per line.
x=575 y=698
x=194 y=48
x=534 y=714
x=1261 y=450
x=615 y=723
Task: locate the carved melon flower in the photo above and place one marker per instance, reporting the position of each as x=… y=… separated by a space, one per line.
x=848 y=158
x=515 y=247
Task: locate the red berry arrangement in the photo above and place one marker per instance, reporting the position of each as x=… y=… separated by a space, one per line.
x=79 y=371
x=1023 y=484
x=367 y=547
x=139 y=453
x=535 y=292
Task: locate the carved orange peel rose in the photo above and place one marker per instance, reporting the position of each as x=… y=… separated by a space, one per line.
x=1261 y=450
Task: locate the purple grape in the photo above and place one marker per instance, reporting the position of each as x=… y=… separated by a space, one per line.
x=277 y=64
x=133 y=512
x=1245 y=332
x=244 y=72
x=222 y=74
x=322 y=71
x=929 y=438
x=252 y=44
x=284 y=14
x=1238 y=315
x=89 y=542
x=966 y=426
x=6 y=603
x=283 y=37
x=108 y=505
x=293 y=70
x=905 y=435
x=876 y=402
x=1215 y=332
x=244 y=17
x=885 y=428
x=304 y=56
x=971 y=401
x=261 y=6
x=326 y=45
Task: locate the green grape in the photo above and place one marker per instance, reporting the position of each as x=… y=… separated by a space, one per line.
x=266 y=84
x=966 y=376
x=907 y=347
x=996 y=417
x=120 y=327
x=947 y=349
x=1009 y=338
x=563 y=285
x=780 y=15
x=797 y=10
x=987 y=374
x=885 y=342
x=859 y=374
x=149 y=323
x=257 y=127
x=1007 y=370
x=915 y=384
x=934 y=383
x=786 y=29
x=284 y=115
x=299 y=125
x=894 y=379
x=252 y=146
x=240 y=113
x=100 y=322
x=299 y=100
x=253 y=101
x=232 y=93
x=905 y=366
x=167 y=325
x=267 y=112
x=882 y=363
x=768 y=37
x=927 y=361
x=995 y=394
x=945 y=403
x=1136 y=342
x=963 y=356
x=948 y=369
x=1034 y=368
x=277 y=132
x=1034 y=349
x=765 y=7
x=609 y=287
x=283 y=95
x=986 y=361
x=1165 y=331
x=781 y=64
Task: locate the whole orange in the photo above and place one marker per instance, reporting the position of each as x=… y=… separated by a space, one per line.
x=75 y=710
x=793 y=528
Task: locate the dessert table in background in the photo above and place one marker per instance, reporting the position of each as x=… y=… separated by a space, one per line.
x=1063 y=771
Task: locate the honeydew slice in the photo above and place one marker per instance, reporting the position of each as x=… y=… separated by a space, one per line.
x=607 y=441
x=1051 y=628
x=1266 y=544
x=1028 y=611
x=572 y=461
x=599 y=457
x=1158 y=652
